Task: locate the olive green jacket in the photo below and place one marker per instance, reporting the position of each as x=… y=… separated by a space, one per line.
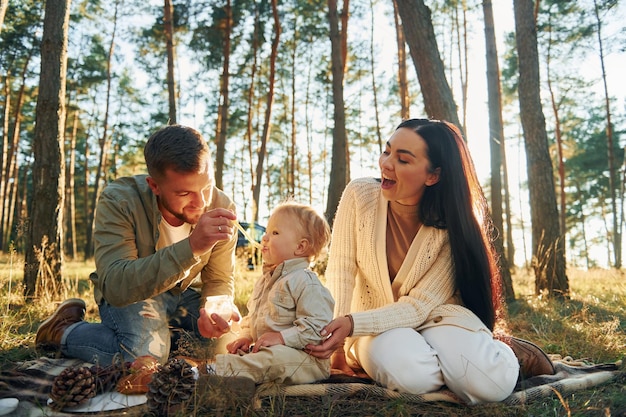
x=129 y=269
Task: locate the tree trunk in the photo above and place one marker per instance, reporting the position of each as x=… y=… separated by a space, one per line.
x=105 y=143
x=309 y=141
x=559 y=146
x=374 y=88
x=420 y=35
x=343 y=34
x=4 y=165
x=221 y=125
x=403 y=84
x=4 y=157
x=10 y=180
x=510 y=245
x=250 y=98
x=256 y=192
x=496 y=137
x=4 y=4
x=291 y=176
x=88 y=252
x=70 y=193
x=168 y=25
x=617 y=232
x=339 y=171
x=547 y=242
x=44 y=250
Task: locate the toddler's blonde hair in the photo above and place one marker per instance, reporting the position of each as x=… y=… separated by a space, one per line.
x=310 y=224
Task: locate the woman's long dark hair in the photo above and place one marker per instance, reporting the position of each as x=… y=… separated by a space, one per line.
x=457 y=203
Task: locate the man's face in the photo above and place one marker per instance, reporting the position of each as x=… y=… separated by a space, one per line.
x=183 y=197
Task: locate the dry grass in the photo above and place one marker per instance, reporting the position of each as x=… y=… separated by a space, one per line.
x=590 y=326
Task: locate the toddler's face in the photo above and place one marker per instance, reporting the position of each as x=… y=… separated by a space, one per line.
x=281 y=239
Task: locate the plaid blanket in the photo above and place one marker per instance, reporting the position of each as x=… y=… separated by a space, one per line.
x=30 y=383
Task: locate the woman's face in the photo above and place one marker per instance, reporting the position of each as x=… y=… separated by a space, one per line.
x=405 y=168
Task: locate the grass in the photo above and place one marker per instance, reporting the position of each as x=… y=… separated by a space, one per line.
x=590 y=326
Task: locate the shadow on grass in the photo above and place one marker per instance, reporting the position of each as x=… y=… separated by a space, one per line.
x=570 y=328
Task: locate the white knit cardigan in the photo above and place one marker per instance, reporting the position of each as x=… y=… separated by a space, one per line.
x=358 y=277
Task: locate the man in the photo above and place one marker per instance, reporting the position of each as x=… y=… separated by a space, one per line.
x=163 y=242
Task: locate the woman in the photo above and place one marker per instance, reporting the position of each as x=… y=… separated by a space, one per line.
x=413 y=273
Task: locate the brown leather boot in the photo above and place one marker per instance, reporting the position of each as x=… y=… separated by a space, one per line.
x=51 y=330
x=533 y=361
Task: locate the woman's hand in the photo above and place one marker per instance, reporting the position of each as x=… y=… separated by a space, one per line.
x=339 y=365
x=336 y=332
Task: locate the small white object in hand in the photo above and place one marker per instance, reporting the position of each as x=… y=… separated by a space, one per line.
x=222 y=305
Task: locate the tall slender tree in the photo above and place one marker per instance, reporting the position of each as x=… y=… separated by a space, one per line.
x=403 y=84
x=256 y=192
x=420 y=36
x=10 y=182
x=379 y=138
x=339 y=170
x=617 y=232
x=105 y=140
x=496 y=138
x=547 y=242
x=4 y=4
x=168 y=29
x=221 y=125
x=44 y=251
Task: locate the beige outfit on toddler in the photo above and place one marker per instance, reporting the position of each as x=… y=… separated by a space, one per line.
x=289 y=299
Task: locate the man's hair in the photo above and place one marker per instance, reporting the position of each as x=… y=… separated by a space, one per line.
x=309 y=223
x=176 y=147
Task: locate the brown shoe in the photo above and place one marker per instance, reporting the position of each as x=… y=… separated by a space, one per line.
x=140 y=375
x=533 y=361
x=50 y=331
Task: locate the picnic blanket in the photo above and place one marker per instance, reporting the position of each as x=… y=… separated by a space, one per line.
x=24 y=390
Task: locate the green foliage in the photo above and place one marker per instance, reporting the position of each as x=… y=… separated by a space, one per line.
x=302 y=106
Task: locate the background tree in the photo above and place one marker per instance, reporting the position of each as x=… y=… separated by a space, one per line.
x=256 y=192
x=496 y=140
x=547 y=242
x=617 y=232
x=420 y=36
x=105 y=140
x=403 y=86
x=168 y=29
x=3 y=10
x=20 y=47
x=297 y=156
x=340 y=161
x=44 y=251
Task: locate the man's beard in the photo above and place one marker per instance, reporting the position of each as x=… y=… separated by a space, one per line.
x=180 y=215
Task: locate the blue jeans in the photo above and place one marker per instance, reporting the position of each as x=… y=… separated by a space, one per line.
x=139 y=329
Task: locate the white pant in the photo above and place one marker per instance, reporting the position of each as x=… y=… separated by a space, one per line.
x=471 y=364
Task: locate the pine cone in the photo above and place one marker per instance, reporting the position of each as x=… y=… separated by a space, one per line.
x=172 y=387
x=72 y=387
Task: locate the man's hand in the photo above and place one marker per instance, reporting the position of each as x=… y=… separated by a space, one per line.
x=211 y=325
x=213 y=226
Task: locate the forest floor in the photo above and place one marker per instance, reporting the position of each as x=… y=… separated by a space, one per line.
x=591 y=326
